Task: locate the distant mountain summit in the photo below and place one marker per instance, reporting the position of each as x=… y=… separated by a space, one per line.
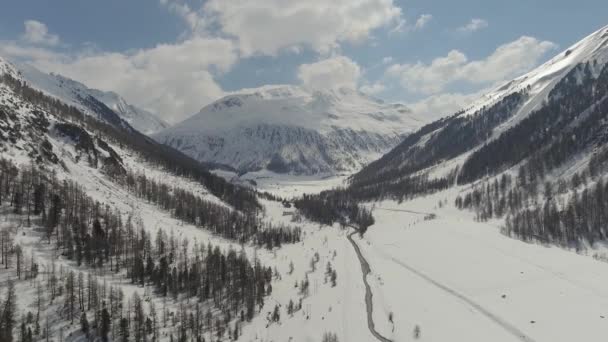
x=289 y=129
x=106 y=106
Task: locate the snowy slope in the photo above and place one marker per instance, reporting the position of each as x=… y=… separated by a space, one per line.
x=77 y=94
x=288 y=129
x=7 y=67
x=141 y=119
x=541 y=80
x=528 y=94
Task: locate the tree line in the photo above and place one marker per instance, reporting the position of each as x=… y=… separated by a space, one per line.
x=221 y=220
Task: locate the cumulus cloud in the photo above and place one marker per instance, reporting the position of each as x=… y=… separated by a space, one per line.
x=38 y=33
x=506 y=61
x=173 y=80
x=441 y=105
x=422 y=21
x=475 y=24
x=373 y=89
x=177 y=79
x=334 y=72
x=267 y=27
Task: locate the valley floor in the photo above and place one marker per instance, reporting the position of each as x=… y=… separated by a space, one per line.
x=450 y=278
x=462 y=280
x=455 y=279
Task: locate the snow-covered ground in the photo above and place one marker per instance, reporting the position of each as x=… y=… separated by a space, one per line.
x=454 y=278
x=284 y=185
x=339 y=309
x=461 y=280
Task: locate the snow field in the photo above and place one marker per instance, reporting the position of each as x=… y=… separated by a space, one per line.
x=450 y=274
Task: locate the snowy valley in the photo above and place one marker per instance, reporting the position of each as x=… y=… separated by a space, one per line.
x=286 y=214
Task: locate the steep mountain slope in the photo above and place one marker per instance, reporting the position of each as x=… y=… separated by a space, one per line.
x=141 y=119
x=524 y=117
x=38 y=127
x=288 y=129
x=91 y=101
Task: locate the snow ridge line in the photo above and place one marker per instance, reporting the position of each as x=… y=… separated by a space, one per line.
x=368 y=292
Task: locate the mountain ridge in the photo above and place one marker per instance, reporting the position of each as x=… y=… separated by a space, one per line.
x=487 y=117
x=291 y=129
x=86 y=99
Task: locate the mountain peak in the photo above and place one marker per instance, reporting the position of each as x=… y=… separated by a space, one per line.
x=7 y=67
x=289 y=128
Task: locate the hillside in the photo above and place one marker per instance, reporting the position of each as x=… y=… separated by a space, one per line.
x=287 y=129
x=91 y=101
x=514 y=124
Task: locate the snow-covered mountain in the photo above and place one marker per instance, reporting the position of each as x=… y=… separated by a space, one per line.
x=543 y=79
x=289 y=129
x=88 y=100
x=529 y=111
x=141 y=119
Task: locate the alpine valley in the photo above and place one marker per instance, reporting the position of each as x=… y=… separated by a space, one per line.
x=370 y=222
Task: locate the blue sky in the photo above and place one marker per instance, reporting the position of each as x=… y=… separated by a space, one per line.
x=174 y=56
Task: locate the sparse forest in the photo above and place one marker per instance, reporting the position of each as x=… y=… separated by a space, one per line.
x=95 y=237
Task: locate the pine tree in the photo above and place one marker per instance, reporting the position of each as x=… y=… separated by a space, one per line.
x=334 y=276
x=276 y=314
x=84 y=324
x=9 y=311
x=105 y=325
x=124 y=330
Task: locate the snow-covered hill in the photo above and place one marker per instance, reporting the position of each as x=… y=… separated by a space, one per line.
x=543 y=79
x=288 y=129
x=513 y=114
x=141 y=119
x=87 y=99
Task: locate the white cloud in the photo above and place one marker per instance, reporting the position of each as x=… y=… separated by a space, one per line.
x=430 y=78
x=403 y=26
x=330 y=73
x=173 y=80
x=267 y=27
x=190 y=16
x=475 y=24
x=373 y=89
x=441 y=105
x=400 y=27
x=422 y=21
x=387 y=60
x=37 y=33
x=506 y=61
